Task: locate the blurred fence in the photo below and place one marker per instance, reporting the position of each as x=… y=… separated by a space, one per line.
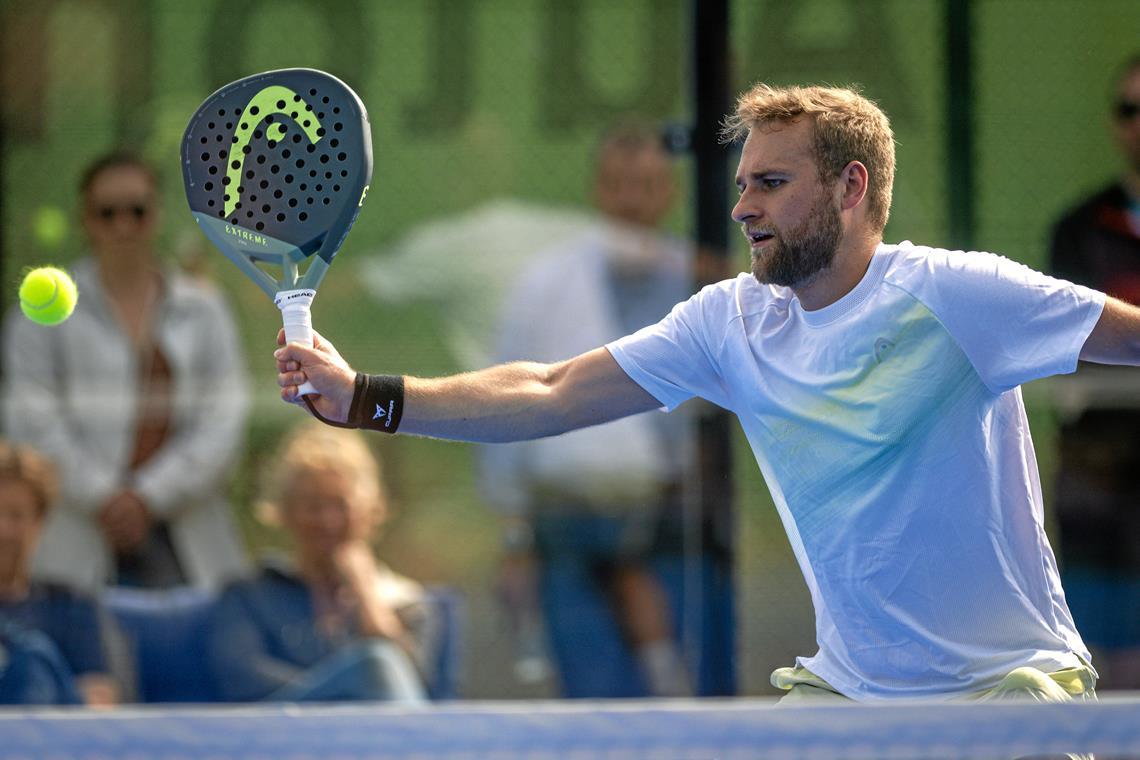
x=479 y=102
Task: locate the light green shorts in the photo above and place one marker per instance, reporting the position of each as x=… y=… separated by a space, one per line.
x=1077 y=683
x=1023 y=683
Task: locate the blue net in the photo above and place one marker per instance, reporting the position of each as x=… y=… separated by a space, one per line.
x=711 y=729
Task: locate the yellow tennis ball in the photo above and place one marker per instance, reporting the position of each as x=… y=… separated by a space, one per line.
x=48 y=295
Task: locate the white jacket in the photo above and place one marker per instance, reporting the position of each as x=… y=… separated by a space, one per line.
x=71 y=391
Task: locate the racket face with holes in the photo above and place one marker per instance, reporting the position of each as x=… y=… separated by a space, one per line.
x=276 y=168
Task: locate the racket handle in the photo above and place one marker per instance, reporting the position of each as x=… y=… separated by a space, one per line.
x=296 y=313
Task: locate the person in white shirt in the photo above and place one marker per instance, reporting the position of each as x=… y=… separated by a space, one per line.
x=140 y=398
x=879 y=388
x=595 y=521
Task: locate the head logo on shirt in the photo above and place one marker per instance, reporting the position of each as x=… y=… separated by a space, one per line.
x=883 y=349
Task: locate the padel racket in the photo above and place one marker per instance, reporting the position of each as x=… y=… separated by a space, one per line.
x=276 y=167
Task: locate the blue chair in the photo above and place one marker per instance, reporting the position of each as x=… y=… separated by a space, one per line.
x=165 y=634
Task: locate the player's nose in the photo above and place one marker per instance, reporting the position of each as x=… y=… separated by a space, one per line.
x=746 y=209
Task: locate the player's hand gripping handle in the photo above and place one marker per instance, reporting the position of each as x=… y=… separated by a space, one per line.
x=295 y=311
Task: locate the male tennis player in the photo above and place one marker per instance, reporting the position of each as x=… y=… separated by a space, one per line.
x=878 y=386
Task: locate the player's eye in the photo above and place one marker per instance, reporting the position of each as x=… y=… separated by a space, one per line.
x=771 y=183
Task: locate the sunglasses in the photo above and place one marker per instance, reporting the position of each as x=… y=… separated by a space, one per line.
x=136 y=211
x=1127 y=110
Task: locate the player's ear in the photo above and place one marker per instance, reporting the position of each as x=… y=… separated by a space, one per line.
x=854 y=180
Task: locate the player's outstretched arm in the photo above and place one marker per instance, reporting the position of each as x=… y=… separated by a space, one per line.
x=508 y=402
x=1116 y=337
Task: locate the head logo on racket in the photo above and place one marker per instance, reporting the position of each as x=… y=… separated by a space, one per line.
x=266 y=106
x=276 y=168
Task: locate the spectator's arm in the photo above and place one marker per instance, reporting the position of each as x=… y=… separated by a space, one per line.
x=34 y=413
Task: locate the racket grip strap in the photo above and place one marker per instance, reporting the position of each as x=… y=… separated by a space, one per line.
x=377 y=402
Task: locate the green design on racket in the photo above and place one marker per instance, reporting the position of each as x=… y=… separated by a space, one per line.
x=276 y=167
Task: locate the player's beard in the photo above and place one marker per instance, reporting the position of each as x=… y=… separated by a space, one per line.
x=795 y=257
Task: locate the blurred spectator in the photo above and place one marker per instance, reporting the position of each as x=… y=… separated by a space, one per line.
x=1098 y=244
x=497 y=238
x=140 y=398
x=587 y=513
x=51 y=643
x=330 y=623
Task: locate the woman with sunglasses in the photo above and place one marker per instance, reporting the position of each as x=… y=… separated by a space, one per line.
x=141 y=399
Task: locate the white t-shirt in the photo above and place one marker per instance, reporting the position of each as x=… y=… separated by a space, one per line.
x=892 y=434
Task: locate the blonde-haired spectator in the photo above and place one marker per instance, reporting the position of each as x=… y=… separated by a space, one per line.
x=330 y=622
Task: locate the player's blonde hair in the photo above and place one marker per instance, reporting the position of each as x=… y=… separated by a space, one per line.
x=311 y=448
x=23 y=464
x=847 y=127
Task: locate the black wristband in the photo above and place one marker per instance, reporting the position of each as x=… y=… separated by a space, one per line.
x=377 y=402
